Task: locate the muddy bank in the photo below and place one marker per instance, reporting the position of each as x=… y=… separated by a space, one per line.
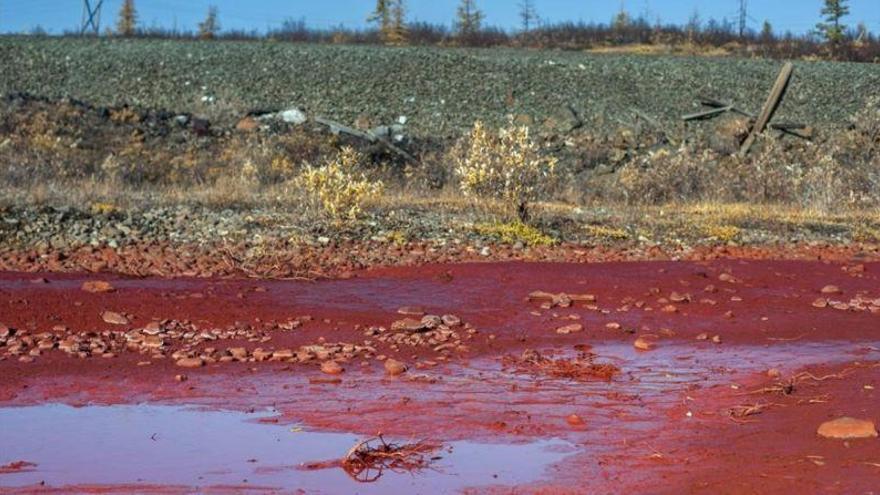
x=344 y=259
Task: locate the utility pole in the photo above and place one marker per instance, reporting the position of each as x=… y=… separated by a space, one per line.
x=91 y=17
x=743 y=16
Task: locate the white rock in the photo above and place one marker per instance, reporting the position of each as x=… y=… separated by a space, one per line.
x=294 y=116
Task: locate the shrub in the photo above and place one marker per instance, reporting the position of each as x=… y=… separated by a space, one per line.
x=338 y=188
x=506 y=165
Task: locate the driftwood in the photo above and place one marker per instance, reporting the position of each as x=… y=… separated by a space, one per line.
x=337 y=128
x=770 y=106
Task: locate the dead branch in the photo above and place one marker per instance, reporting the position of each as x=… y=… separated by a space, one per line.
x=367 y=460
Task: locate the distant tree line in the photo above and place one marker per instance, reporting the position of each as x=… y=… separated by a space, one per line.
x=832 y=38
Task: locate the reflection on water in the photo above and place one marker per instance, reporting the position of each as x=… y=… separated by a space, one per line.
x=165 y=445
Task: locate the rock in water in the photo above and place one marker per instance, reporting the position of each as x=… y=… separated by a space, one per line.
x=394 y=367
x=190 y=362
x=332 y=368
x=573 y=328
x=574 y=420
x=645 y=342
x=847 y=428
x=97 y=286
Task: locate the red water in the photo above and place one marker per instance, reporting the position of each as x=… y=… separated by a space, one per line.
x=660 y=426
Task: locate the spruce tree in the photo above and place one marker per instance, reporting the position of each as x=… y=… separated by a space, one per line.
x=469 y=18
x=126 y=25
x=832 y=29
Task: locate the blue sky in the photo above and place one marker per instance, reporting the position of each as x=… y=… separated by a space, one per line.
x=57 y=15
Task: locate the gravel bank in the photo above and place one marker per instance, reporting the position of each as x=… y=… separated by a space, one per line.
x=438 y=90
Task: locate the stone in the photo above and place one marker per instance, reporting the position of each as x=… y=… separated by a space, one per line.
x=646 y=342
x=679 y=298
x=411 y=311
x=846 y=428
x=451 y=320
x=574 y=420
x=820 y=303
x=430 y=322
x=152 y=328
x=408 y=325
x=332 y=368
x=282 y=355
x=97 y=286
x=152 y=341
x=831 y=289
x=540 y=295
x=114 y=318
x=293 y=116
x=238 y=353
x=190 y=362
x=247 y=124
x=567 y=329
x=261 y=354
x=394 y=367
x=586 y=298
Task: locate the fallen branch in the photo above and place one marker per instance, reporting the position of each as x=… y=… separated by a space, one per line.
x=368 y=459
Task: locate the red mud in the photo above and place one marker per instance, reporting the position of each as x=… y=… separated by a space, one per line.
x=691 y=416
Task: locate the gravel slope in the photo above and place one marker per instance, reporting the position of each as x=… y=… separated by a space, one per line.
x=439 y=90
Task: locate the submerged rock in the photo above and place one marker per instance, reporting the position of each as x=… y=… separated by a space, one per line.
x=846 y=428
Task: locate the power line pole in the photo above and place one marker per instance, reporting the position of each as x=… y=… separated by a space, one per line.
x=743 y=16
x=91 y=17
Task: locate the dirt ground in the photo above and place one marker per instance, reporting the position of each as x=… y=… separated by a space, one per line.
x=663 y=376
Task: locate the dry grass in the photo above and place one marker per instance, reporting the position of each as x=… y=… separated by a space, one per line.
x=581 y=368
x=63 y=154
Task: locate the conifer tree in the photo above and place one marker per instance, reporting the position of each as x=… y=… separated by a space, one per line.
x=126 y=25
x=209 y=27
x=469 y=18
x=832 y=29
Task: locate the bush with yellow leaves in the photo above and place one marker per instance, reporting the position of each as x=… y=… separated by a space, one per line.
x=506 y=165
x=338 y=187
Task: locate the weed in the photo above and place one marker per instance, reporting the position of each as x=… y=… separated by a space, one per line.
x=338 y=187
x=504 y=165
x=723 y=233
x=604 y=232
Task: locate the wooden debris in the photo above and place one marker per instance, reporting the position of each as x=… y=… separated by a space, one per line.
x=337 y=128
x=770 y=106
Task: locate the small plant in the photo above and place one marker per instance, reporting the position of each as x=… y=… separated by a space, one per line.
x=340 y=190
x=511 y=233
x=601 y=231
x=723 y=233
x=506 y=165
